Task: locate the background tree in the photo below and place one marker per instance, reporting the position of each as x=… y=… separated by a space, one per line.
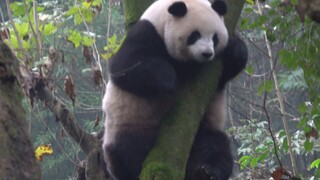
x=16 y=152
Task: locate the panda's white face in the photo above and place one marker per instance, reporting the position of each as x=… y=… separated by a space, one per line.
x=198 y=35
x=201 y=46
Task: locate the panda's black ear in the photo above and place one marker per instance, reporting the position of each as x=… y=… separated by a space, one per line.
x=178 y=9
x=220 y=7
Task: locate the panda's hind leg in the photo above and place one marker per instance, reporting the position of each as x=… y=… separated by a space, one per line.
x=210 y=157
x=124 y=157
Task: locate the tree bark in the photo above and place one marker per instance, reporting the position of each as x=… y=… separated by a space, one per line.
x=17 y=157
x=89 y=144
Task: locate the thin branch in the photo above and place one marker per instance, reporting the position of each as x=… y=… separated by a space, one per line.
x=84 y=139
x=16 y=32
x=36 y=26
x=270 y=130
x=276 y=84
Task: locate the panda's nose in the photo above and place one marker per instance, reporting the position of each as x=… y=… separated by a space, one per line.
x=207 y=54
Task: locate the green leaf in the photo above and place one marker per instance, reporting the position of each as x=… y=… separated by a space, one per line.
x=96 y=2
x=23 y=28
x=316 y=120
x=18 y=9
x=250 y=69
x=49 y=29
x=77 y=19
x=72 y=11
x=264 y=156
x=76 y=38
x=112 y=40
x=244 y=161
x=315 y=164
x=271 y=36
x=14 y=41
x=254 y=162
x=266 y=86
x=250 y=2
x=282 y=133
x=26 y=45
x=88 y=15
x=285 y=144
x=308 y=145
x=40 y=9
x=307 y=128
x=302 y=123
x=86 y=4
x=244 y=23
x=87 y=41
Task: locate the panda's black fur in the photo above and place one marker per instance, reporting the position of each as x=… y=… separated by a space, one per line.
x=144 y=76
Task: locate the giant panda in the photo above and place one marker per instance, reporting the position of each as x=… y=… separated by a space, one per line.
x=166 y=48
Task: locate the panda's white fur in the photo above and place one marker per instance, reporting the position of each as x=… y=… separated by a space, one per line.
x=153 y=61
x=175 y=31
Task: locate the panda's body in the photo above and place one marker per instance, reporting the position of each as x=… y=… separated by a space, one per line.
x=164 y=49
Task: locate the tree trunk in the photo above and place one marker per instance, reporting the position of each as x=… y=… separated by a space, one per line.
x=133 y=9
x=17 y=157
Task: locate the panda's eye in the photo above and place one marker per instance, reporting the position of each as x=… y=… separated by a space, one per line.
x=215 y=40
x=195 y=35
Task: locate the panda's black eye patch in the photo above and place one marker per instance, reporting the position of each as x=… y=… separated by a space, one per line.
x=195 y=35
x=215 y=40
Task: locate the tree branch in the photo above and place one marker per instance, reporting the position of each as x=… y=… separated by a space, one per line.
x=85 y=140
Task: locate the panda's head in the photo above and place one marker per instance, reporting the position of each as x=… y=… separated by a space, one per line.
x=193 y=30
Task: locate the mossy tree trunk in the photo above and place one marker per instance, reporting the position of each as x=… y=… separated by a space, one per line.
x=17 y=158
x=168 y=158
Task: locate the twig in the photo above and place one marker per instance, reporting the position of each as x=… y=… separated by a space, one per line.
x=16 y=32
x=276 y=84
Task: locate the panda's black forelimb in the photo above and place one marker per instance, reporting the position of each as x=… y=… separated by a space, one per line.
x=235 y=57
x=210 y=156
x=148 y=78
x=141 y=66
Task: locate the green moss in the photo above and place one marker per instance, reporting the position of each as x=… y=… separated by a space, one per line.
x=159 y=171
x=133 y=10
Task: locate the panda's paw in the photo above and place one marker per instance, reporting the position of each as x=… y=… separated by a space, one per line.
x=210 y=172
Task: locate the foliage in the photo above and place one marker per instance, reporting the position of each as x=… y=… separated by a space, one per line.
x=294 y=48
x=44 y=149
x=55 y=37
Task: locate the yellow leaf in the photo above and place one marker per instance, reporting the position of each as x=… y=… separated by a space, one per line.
x=44 y=149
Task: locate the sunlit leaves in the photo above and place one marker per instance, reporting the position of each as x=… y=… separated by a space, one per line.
x=75 y=38
x=49 y=29
x=88 y=41
x=113 y=46
x=18 y=8
x=42 y=150
x=252 y=160
x=22 y=28
x=84 y=11
x=315 y=164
